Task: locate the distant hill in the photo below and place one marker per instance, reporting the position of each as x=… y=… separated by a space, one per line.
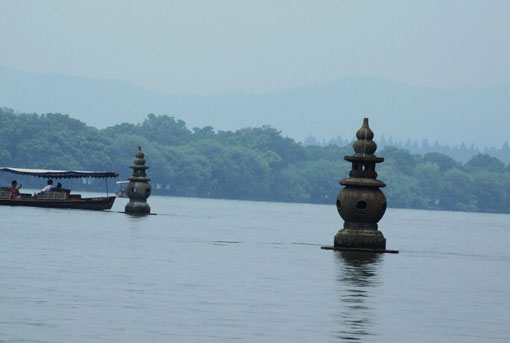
x=325 y=110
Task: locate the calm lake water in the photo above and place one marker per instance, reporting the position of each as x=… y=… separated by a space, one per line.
x=213 y=271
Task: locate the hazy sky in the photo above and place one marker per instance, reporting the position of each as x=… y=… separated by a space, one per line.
x=215 y=46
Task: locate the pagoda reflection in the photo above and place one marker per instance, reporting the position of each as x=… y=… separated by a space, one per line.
x=357 y=274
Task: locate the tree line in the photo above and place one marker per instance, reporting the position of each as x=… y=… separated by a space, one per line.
x=247 y=164
x=462 y=152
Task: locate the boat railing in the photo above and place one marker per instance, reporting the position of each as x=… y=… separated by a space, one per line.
x=5 y=194
x=52 y=196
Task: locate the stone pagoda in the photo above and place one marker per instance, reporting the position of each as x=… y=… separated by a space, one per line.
x=138 y=188
x=361 y=204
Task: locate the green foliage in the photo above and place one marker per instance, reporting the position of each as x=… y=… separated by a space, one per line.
x=250 y=163
x=456 y=192
x=443 y=162
x=485 y=162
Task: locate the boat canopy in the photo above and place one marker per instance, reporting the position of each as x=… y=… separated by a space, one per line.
x=59 y=174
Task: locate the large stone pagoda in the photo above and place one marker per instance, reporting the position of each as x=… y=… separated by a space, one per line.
x=138 y=188
x=361 y=204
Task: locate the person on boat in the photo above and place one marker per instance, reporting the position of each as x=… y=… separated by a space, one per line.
x=59 y=189
x=48 y=188
x=15 y=189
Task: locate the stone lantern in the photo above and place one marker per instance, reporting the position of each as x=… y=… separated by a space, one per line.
x=361 y=204
x=138 y=188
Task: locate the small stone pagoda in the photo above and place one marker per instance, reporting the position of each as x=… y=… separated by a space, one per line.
x=138 y=188
x=361 y=204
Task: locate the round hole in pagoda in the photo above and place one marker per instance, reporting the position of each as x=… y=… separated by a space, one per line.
x=361 y=205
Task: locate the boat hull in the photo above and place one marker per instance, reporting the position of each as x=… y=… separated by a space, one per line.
x=96 y=204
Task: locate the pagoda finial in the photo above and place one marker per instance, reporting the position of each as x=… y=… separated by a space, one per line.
x=139 y=153
x=365 y=144
x=139 y=158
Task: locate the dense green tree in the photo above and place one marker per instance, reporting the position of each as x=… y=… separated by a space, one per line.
x=250 y=163
x=400 y=159
x=485 y=162
x=427 y=176
x=443 y=161
x=456 y=193
x=402 y=190
x=165 y=130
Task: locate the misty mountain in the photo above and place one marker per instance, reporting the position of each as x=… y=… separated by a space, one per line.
x=324 y=110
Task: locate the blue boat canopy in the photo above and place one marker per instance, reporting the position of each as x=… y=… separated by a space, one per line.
x=59 y=174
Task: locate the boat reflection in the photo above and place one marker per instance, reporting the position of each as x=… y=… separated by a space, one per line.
x=357 y=274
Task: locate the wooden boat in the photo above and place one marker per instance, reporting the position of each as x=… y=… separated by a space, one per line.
x=56 y=199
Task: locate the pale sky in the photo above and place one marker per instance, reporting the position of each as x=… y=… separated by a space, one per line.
x=256 y=46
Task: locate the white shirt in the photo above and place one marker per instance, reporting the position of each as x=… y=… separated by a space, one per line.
x=47 y=189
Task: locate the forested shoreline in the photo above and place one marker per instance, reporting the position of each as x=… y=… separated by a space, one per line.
x=247 y=164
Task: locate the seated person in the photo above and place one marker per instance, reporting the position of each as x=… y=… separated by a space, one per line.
x=14 y=189
x=48 y=188
x=59 y=189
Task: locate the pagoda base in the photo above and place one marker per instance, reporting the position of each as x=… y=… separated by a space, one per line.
x=329 y=247
x=360 y=239
x=137 y=208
